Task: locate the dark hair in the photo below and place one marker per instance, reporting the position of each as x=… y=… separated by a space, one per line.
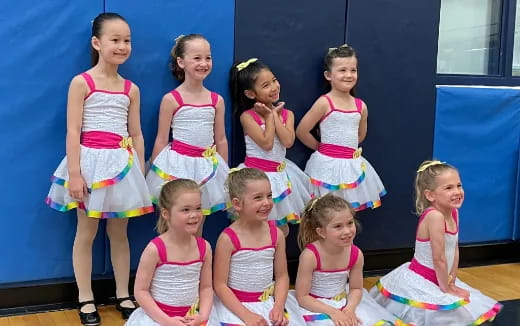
x=178 y=50
x=243 y=79
x=97 y=30
x=316 y=215
x=343 y=51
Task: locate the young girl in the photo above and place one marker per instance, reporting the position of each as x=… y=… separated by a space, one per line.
x=269 y=131
x=248 y=254
x=174 y=274
x=329 y=283
x=337 y=164
x=195 y=115
x=426 y=291
x=102 y=174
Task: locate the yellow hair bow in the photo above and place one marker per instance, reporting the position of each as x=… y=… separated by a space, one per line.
x=243 y=65
x=427 y=165
x=339 y=47
x=232 y=170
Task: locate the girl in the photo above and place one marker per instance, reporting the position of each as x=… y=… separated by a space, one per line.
x=269 y=131
x=337 y=164
x=195 y=115
x=175 y=267
x=329 y=283
x=247 y=255
x=426 y=291
x=102 y=174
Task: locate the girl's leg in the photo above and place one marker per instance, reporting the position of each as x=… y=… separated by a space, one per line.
x=82 y=257
x=120 y=255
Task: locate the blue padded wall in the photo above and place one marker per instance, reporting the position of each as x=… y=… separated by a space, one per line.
x=477 y=129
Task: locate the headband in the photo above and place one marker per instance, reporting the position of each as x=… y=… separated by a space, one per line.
x=243 y=65
x=427 y=165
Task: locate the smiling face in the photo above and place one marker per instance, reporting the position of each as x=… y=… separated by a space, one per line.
x=266 y=88
x=340 y=229
x=114 y=44
x=256 y=201
x=343 y=73
x=185 y=214
x=196 y=60
x=448 y=192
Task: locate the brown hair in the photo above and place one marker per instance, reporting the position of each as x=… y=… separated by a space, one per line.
x=316 y=215
x=178 y=51
x=425 y=180
x=169 y=193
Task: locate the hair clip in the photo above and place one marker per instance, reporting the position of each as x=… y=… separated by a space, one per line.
x=243 y=65
x=233 y=170
x=427 y=165
x=339 y=47
x=314 y=201
x=178 y=38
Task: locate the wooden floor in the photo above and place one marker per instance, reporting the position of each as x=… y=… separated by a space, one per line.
x=497 y=281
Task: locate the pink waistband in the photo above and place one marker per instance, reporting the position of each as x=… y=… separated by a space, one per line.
x=173 y=311
x=424 y=271
x=264 y=165
x=101 y=139
x=187 y=149
x=336 y=151
x=244 y=296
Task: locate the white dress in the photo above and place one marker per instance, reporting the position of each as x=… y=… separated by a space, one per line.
x=411 y=291
x=251 y=280
x=331 y=288
x=192 y=154
x=108 y=162
x=289 y=184
x=337 y=166
x=174 y=287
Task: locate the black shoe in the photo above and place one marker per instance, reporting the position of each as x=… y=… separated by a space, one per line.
x=125 y=311
x=89 y=318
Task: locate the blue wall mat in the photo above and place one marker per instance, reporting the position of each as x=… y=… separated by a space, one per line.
x=44 y=44
x=476 y=130
x=516 y=229
x=396 y=42
x=154 y=26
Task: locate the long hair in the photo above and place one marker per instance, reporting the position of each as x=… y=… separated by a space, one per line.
x=242 y=79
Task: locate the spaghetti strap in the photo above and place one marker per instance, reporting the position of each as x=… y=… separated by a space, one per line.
x=161 y=248
x=177 y=96
x=90 y=81
x=359 y=104
x=273 y=231
x=330 y=102
x=354 y=254
x=201 y=243
x=214 y=99
x=233 y=237
x=313 y=248
x=255 y=116
x=128 y=85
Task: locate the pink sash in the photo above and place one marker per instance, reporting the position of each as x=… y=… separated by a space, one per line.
x=424 y=271
x=187 y=149
x=173 y=311
x=101 y=139
x=244 y=296
x=336 y=151
x=264 y=165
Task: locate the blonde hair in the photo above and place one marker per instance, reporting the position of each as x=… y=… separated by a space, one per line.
x=237 y=180
x=169 y=193
x=427 y=172
x=316 y=215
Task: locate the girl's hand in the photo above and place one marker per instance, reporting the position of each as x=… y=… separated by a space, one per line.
x=352 y=319
x=340 y=319
x=459 y=292
x=255 y=320
x=262 y=109
x=278 y=107
x=78 y=188
x=277 y=317
x=177 y=321
x=195 y=320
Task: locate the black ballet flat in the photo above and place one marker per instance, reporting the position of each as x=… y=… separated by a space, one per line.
x=89 y=318
x=125 y=311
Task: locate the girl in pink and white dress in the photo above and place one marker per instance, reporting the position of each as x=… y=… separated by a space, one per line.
x=195 y=115
x=248 y=254
x=102 y=175
x=329 y=283
x=337 y=165
x=173 y=281
x=269 y=131
x=426 y=291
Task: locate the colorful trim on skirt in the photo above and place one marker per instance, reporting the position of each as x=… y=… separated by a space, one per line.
x=98 y=214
